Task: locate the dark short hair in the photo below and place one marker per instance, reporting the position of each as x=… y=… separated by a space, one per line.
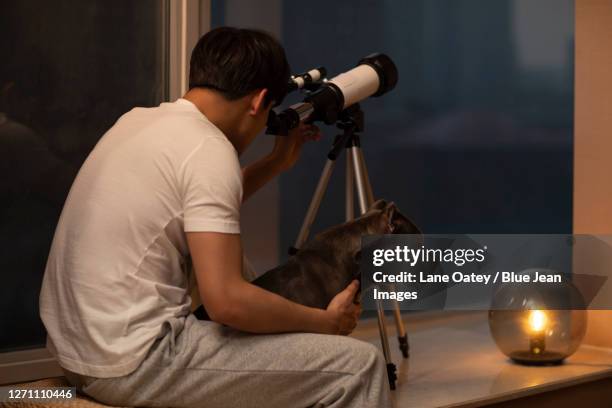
x=237 y=61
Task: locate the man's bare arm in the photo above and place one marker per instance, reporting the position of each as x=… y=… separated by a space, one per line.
x=284 y=155
x=231 y=300
x=258 y=174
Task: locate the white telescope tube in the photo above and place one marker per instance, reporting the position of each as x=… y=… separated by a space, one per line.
x=357 y=84
x=374 y=75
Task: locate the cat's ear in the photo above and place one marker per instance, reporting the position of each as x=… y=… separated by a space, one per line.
x=389 y=212
x=378 y=205
x=400 y=224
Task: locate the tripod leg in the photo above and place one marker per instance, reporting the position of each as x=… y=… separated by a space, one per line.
x=362 y=193
x=360 y=181
x=350 y=189
x=315 y=203
x=364 y=170
x=402 y=336
x=382 y=329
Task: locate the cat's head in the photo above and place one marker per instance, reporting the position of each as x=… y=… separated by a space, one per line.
x=383 y=217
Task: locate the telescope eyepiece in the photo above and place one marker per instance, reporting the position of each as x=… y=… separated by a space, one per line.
x=314 y=77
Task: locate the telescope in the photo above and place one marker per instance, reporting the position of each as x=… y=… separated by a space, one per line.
x=374 y=75
x=337 y=101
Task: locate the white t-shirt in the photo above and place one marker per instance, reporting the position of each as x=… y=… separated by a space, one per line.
x=117 y=267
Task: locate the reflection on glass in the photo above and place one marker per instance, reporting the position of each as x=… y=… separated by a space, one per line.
x=477 y=135
x=69 y=70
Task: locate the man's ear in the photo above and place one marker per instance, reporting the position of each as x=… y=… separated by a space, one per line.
x=258 y=101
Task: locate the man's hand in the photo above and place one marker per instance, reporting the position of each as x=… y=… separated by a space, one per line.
x=345 y=312
x=287 y=148
x=285 y=153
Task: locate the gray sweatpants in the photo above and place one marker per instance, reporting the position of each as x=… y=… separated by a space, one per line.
x=208 y=365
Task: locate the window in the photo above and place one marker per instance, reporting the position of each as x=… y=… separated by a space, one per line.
x=477 y=137
x=70 y=69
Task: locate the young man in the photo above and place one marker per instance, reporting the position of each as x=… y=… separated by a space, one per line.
x=165 y=183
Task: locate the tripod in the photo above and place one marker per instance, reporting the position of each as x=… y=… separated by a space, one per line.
x=351 y=121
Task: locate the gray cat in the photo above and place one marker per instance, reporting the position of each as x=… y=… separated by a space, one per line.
x=327 y=263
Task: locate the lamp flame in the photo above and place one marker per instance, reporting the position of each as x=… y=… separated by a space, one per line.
x=537 y=320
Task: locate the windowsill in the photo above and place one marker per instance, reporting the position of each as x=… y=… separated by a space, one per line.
x=454 y=362
x=27 y=365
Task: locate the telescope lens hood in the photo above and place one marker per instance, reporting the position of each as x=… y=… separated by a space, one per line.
x=386 y=70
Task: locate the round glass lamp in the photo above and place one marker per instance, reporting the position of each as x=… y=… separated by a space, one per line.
x=528 y=330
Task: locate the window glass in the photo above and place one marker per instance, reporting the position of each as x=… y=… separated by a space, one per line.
x=477 y=137
x=69 y=70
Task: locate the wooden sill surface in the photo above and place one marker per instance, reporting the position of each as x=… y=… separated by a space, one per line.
x=455 y=363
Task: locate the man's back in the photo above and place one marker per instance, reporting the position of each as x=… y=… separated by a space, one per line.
x=116 y=271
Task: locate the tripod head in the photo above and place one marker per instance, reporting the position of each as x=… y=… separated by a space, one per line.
x=352 y=116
